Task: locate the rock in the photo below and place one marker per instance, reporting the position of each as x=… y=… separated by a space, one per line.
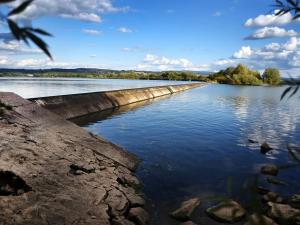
x=275 y=181
x=186 y=209
x=265 y=148
x=227 y=211
x=270 y=170
x=283 y=212
x=138 y=215
x=295 y=201
x=121 y=221
x=253 y=141
x=262 y=190
x=272 y=197
x=188 y=223
x=256 y=219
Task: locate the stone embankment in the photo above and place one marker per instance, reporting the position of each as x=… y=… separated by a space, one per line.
x=72 y=106
x=54 y=172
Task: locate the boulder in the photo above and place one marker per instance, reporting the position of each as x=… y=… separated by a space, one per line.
x=253 y=141
x=283 y=212
x=257 y=219
x=227 y=211
x=295 y=201
x=186 y=209
x=188 y=223
x=138 y=215
x=272 y=180
x=271 y=170
x=272 y=197
x=261 y=190
x=265 y=148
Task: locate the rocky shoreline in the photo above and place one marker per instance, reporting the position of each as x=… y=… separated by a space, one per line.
x=54 y=172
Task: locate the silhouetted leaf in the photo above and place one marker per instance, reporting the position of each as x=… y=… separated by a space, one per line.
x=6 y=1
x=39 y=42
x=286 y=91
x=20 y=8
x=294 y=92
x=14 y=28
x=40 y=31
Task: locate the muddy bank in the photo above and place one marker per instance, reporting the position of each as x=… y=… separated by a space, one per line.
x=54 y=172
x=72 y=106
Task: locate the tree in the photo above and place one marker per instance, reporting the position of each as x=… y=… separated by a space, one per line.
x=271 y=76
x=239 y=75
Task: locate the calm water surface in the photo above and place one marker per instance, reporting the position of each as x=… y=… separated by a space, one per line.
x=195 y=143
x=41 y=87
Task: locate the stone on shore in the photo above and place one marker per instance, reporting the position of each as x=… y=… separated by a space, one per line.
x=257 y=219
x=138 y=215
x=54 y=172
x=262 y=190
x=227 y=211
x=283 y=212
x=295 y=201
x=271 y=170
x=186 y=209
x=188 y=223
x=265 y=148
x=272 y=197
x=253 y=141
x=272 y=180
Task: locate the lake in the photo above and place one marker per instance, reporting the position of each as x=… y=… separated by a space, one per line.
x=41 y=87
x=194 y=143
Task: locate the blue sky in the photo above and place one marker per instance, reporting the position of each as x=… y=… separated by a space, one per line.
x=157 y=35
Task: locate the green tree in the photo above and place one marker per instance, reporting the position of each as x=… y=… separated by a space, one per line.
x=271 y=76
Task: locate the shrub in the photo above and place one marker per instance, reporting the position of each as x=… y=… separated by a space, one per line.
x=271 y=76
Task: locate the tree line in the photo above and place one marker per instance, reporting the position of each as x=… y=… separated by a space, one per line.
x=242 y=75
x=239 y=75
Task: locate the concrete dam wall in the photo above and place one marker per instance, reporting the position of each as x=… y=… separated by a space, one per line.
x=76 y=105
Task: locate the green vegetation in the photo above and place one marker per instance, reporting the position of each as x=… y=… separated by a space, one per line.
x=239 y=75
x=4 y=107
x=271 y=76
x=242 y=75
x=135 y=75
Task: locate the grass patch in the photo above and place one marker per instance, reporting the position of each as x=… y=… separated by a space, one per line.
x=4 y=107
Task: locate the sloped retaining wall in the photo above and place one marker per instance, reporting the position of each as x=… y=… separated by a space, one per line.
x=72 y=106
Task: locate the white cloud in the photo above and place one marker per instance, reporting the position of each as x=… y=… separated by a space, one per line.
x=270 y=20
x=15 y=47
x=217 y=14
x=87 y=10
x=224 y=62
x=124 y=30
x=162 y=63
x=270 y=51
x=292 y=44
x=272 y=47
x=39 y=63
x=244 y=53
x=271 y=32
x=285 y=57
x=128 y=49
x=3 y=60
x=92 y=32
x=93 y=56
x=170 y=11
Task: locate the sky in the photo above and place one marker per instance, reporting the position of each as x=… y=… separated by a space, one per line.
x=156 y=35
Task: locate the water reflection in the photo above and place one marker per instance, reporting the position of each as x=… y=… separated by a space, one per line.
x=193 y=142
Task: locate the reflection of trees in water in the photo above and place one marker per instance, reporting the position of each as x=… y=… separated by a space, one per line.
x=265 y=119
